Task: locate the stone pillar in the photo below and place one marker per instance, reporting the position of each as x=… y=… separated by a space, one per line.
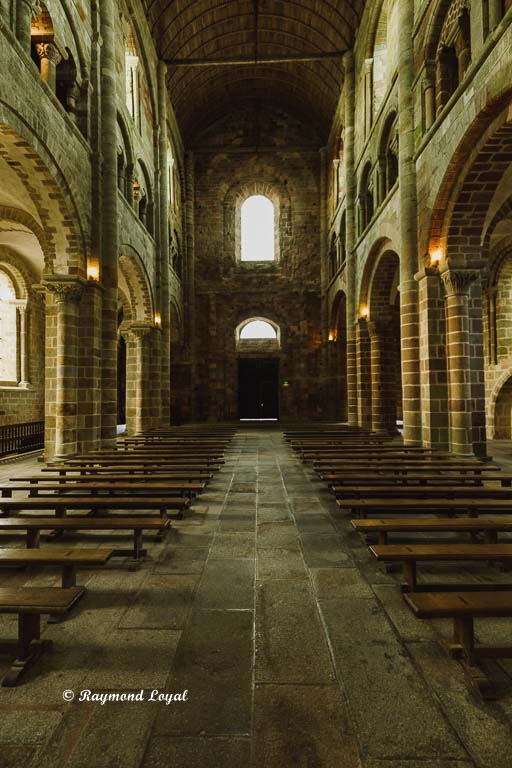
x=492 y=335
x=165 y=345
x=138 y=405
x=409 y=332
x=24 y=346
x=109 y=215
x=364 y=375
x=368 y=96
x=457 y=286
x=429 y=95
x=434 y=392
x=23 y=22
x=495 y=13
x=66 y=292
x=350 y=266
x=189 y=277
x=383 y=397
x=50 y=57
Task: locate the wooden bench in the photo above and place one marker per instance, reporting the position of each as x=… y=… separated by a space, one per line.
x=463 y=608
x=93 y=486
x=409 y=555
x=34 y=525
x=103 y=477
x=111 y=467
x=60 y=504
x=386 y=480
x=473 y=507
x=400 y=468
x=490 y=526
x=128 y=472
x=67 y=559
x=422 y=491
x=29 y=604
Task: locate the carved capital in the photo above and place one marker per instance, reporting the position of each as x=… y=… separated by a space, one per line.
x=49 y=51
x=458 y=281
x=136 y=330
x=65 y=289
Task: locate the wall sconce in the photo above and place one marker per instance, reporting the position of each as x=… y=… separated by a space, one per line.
x=286 y=383
x=365 y=312
x=158 y=320
x=332 y=336
x=93 y=273
x=435 y=258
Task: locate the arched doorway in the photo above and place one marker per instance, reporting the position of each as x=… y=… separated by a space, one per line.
x=258 y=341
x=337 y=359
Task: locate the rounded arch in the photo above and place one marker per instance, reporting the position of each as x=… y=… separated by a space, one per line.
x=337 y=316
x=500 y=408
x=135 y=283
x=264 y=325
x=20 y=273
x=64 y=242
x=176 y=324
x=383 y=287
x=481 y=149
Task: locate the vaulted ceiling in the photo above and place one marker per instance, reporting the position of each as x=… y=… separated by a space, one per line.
x=283 y=51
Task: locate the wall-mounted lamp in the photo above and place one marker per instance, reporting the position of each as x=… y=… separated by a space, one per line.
x=158 y=320
x=365 y=312
x=435 y=258
x=332 y=336
x=93 y=273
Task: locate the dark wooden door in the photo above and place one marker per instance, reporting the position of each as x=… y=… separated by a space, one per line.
x=258 y=389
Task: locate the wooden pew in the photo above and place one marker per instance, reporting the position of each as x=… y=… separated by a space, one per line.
x=386 y=480
x=463 y=607
x=490 y=526
x=28 y=604
x=409 y=555
x=401 y=467
x=473 y=507
x=92 y=486
x=60 y=504
x=34 y=525
x=67 y=559
x=189 y=477
x=422 y=492
x=127 y=469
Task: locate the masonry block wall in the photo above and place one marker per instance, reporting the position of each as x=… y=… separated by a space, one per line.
x=261 y=152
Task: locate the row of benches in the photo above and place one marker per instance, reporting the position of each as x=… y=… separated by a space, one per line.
x=372 y=477
x=154 y=473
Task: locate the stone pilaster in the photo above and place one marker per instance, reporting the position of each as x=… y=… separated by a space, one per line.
x=50 y=57
x=109 y=214
x=457 y=287
x=61 y=399
x=350 y=266
x=189 y=276
x=24 y=379
x=409 y=332
x=138 y=378
x=165 y=341
x=382 y=377
x=364 y=375
x=434 y=392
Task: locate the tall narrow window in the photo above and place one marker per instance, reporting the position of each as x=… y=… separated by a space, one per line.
x=8 y=332
x=257 y=229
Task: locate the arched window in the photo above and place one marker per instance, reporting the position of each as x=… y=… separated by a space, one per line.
x=8 y=331
x=366 y=206
x=258 y=329
x=388 y=157
x=257 y=229
x=132 y=75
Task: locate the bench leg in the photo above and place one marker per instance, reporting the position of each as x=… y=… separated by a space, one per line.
x=409 y=571
x=68 y=576
x=30 y=647
x=33 y=538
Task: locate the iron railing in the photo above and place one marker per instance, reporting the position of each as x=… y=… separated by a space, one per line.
x=21 y=438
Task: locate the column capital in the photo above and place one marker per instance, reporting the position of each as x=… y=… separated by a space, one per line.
x=458 y=281
x=425 y=273
x=50 y=51
x=138 y=329
x=65 y=288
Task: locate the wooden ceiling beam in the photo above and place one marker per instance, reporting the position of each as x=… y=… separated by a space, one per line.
x=230 y=61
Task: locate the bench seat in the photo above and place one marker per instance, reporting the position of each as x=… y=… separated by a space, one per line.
x=463 y=608
x=60 y=504
x=95 y=486
x=29 y=603
x=384 y=526
x=433 y=479
x=473 y=507
x=66 y=558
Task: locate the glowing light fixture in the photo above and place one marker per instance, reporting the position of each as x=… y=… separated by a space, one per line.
x=158 y=320
x=365 y=312
x=435 y=258
x=93 y=273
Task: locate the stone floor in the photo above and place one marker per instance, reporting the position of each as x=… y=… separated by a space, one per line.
x=295 y=648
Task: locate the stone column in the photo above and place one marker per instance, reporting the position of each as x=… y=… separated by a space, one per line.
x=457 y=286
x=24 y=346
x=383 y=398
x=350 y=265
x=434 y=392
x=23 y=22
x=492 y=335
x=165 y=345
x=495 y=13
x=67 y=292
x=50 y=57
x=364 y=375
x=109 y=224
x=409 y=332
x=189 y=277
x=368 y=96
x=429 y=95
x=138 y=406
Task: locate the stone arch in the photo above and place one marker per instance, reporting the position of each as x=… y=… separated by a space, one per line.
x=388 y=154
x=19 y=216
x=500 y=408
x=482 y=155
x=20 y=273
x=176 y=326
x=64 y=241
x=134 y=280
